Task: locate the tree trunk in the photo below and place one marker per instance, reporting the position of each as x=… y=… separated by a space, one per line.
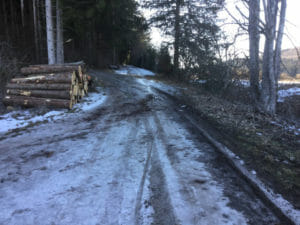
x=39 y=4
x=32 y=101
x=57 y=94
x=5 y=21
x=254 y=38
x=279 y=41
x=176 y=37
x=14 y=25
x=268 y=92
x=22 y=12
x=50 y=32
x=45 y=86
x=59 y=34
x=35 y=28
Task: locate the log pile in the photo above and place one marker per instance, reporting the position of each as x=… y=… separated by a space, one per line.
x=59 y=86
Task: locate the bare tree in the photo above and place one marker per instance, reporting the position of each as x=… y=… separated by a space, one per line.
x=272 y=28
x=50 y=32
x=279 y=40
x=271 y=71
x=59 y=34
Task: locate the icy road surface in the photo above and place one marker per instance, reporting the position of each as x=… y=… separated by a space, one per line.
x=131 y=160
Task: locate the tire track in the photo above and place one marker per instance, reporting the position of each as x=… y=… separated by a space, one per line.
x=115 y=198
x=139 y=203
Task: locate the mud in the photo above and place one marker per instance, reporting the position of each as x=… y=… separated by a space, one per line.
x=132 y=160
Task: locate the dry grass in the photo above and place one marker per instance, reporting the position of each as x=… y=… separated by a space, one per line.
x=267 y=144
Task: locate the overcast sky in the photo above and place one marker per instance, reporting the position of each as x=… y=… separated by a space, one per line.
x=292 y=28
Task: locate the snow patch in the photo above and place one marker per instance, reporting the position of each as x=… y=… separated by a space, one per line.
x=282 y=94
x=180 y=176
x=23 y=118
x=159 y=85
x=93 y=101
x=132 y=70
x=245 y=83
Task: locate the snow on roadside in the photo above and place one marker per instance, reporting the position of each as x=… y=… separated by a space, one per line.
x=287 y=93
x=24 y=118
x=282 y=94
x=159 y=85
x=91 y=102
x=246 y=83
x=19 y=119
x=132 y=70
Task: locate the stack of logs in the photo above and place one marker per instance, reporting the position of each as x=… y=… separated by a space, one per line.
x=59 y=86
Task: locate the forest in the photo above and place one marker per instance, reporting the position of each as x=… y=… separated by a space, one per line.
x=104 y=33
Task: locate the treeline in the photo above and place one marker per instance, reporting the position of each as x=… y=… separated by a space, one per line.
x=104 y=32
x=100 y=32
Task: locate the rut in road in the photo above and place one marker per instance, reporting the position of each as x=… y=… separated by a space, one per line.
x=115 y=198
x=132 y=160
x=138 y=204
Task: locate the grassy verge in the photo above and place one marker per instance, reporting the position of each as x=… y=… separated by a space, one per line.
x=266 y=144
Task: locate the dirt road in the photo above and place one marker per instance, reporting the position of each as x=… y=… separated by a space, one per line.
x=132 y=160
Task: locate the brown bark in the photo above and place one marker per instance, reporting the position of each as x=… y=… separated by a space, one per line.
x=41 y=93
x=32 y=101
x=48 y=78
x=26 y=86
x=40 y=69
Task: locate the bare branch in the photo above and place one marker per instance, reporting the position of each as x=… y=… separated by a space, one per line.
x=292 y=42
x=242 y=25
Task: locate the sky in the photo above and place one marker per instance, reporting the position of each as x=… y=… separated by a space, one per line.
x=292 y=28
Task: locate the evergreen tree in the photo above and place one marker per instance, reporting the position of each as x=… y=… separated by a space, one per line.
x=104 y=27
x=192 y=26
x=164 y=60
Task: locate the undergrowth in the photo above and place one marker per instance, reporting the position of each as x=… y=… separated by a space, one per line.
x=266 y=144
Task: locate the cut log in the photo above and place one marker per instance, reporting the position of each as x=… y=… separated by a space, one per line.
x=58 y=85
x=11 y=100
x=59 y=94
x=80 y=74
x=46 y=86
x=79 y=63
x=75 y=91
x=40 y=69
x=69 y=77
x=86 y=84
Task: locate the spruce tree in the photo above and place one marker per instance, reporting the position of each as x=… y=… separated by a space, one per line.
x=191 y=24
